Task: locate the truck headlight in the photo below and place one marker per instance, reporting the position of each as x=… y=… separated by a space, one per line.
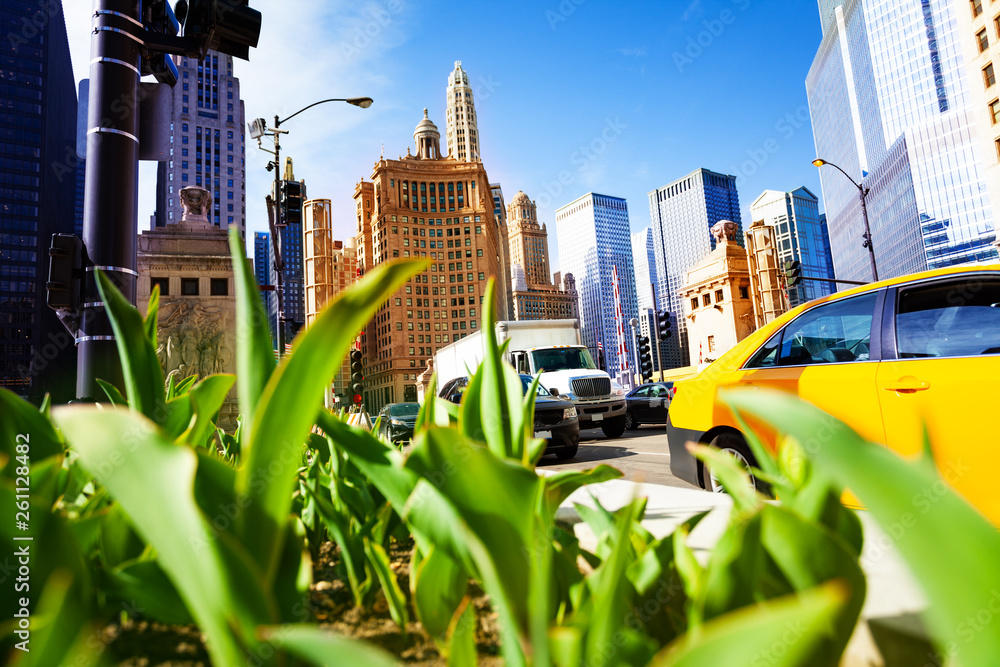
x=569 y=413
x=617 y=389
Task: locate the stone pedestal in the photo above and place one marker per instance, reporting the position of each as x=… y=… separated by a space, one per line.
x=197 y=320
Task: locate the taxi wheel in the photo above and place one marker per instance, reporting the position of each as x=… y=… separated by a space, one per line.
x=734 y=445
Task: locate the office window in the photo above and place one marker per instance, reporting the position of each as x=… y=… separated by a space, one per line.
x=718 y=296
x=744 y=293
x=977 y=7
x=995 y=111
x=164 y=284
x=706 y=300
x=982 y=40
x=989 y=76
x=220 y=287
x=189 y=286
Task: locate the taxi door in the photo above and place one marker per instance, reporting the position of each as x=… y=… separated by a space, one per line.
x=828 y=356
x=943 y=370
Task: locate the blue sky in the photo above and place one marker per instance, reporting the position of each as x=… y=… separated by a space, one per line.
x=572 y=95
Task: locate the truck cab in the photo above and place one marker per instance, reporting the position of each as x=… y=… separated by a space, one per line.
x=569 y=371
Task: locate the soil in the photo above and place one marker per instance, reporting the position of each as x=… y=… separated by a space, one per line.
x=145 y=644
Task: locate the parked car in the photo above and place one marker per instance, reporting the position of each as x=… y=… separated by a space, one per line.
x=396 y=421
x=556 y=419
x=648 y=404
x=886 y=359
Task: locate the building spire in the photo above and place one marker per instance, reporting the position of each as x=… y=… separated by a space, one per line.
x=461 y=126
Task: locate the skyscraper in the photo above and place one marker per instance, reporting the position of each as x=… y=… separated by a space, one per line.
x=460 y=118
x=207 y=142
x=979 y=32
x=506 y=311
x=262 y=266
x=37 y=199
x=801 y=236
x=682 y=215
x=292 y=196
x=397 y=216
x=593 y=235
x=644 y=260
x=903 y=124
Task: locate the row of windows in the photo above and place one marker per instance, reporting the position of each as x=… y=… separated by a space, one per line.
x=190 y=286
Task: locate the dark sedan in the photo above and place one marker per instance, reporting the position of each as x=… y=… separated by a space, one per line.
x=555 y=419
x=648 y=404
x=396 y=421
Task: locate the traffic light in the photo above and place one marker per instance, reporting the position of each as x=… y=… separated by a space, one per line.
x=663 y=324
x=65 y=272
x=291 y=201
x=793 y=273
x=357 y=376
x=159 y=19
x=228 y=26
x=645 y=359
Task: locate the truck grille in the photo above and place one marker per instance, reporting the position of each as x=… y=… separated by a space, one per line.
x=545 y=418
x=592 y=387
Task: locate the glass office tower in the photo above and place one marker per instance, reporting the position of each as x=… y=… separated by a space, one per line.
x=593 y=235
x=801 y=237
x=890 y=105
x=682 y=214
x=38 y=198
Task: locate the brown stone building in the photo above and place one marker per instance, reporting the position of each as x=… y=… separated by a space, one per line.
x=534 y=296
x=433 y=207
x=190 y=261
x=716 y=297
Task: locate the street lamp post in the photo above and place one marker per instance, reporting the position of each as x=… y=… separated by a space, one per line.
x=258 y=130
x=863 y=191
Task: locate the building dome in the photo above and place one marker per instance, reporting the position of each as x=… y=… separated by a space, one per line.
x=520 y=198
x=427 y=139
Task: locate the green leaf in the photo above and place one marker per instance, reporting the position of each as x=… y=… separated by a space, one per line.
x=292 y=399
x=142 y=587
x=140 y=365
x=254 y=354
x=20 y=418
x=560 y=486
x=779 y=634
x=152 y=316
x=322 y=647
x=111 y=391
x=462 y=650
x=379 y=561
x=439 y=584
x=950 y=547
x=61 y=631
x=206 y=399
x=153 y=480
x=733 y=477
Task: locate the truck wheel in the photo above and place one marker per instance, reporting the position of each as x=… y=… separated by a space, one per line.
x=567 y=452
x=614 y=427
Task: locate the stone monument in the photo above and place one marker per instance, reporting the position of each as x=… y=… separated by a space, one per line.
x=190 y=261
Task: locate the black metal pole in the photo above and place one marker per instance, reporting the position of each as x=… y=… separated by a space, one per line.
x=279 y=215
x=868 y=231
x=111 y=185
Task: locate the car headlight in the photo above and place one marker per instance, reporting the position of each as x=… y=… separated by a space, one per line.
x=569 y=413
x=617 y=389
x=396 y=422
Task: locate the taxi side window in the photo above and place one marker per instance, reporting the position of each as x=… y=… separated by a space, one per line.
x=767 y=355
x=837 y=332
x=954 y=319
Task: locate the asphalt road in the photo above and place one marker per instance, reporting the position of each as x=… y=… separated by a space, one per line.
x=642 y=455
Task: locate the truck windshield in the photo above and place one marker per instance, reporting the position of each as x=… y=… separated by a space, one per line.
x=562 y=359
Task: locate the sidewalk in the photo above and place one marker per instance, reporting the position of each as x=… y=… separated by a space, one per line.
x=889 y=633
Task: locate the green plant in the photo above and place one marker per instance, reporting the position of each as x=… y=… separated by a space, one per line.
x=223 y=536
x=951 y=548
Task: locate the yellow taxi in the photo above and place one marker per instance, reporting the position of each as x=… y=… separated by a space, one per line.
x=885 y=359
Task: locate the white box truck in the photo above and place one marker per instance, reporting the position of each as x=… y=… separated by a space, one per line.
x=552 y=348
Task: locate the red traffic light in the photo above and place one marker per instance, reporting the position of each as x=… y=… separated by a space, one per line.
x=357 y=398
